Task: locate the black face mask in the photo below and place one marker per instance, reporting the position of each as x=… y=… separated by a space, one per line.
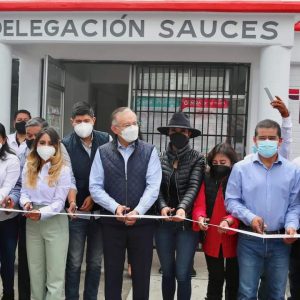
x=20 y=127
x=220 y=171
x=29 y=143
x=179 y=140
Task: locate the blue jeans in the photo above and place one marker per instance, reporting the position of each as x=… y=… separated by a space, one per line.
x=176 y=248
x=256 y=257
x=8 y=244
x=82 y=230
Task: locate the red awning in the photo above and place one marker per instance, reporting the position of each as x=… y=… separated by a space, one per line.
x=153 y=5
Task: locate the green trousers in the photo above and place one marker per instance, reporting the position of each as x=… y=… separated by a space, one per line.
x=47 y=246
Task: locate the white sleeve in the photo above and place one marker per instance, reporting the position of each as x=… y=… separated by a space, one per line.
x=11 y=176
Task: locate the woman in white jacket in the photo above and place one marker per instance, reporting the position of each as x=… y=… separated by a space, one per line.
x=9 y=174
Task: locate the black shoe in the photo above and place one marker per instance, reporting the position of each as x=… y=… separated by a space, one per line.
x=8 y=297
x=193 y=272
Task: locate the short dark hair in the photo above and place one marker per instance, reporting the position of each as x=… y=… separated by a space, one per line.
x=82 y=108
x=37 y=121
x=267 y=123
x=225 y=149
x=22 y=111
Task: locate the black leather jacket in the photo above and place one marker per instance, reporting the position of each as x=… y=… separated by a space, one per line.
x=190 y=170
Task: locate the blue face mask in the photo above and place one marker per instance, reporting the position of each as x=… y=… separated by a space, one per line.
x=267 y=148
x=254 y=149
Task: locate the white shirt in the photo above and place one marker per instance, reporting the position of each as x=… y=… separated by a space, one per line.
x=9 y=174
x=53 y=198
x=12 y=143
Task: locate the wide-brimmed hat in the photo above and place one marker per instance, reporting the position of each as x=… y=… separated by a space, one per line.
x=179 y=120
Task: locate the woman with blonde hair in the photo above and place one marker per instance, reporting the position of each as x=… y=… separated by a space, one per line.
x=45 y=185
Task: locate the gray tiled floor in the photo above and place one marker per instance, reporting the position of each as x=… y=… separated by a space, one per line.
x=199 y=283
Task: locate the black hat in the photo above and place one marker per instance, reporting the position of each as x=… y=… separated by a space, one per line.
x=179 y=120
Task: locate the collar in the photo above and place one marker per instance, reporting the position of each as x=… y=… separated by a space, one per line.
x=45 y=168
x=257 y=159
x=180 y=152
x=86 y=145
x=120 y=146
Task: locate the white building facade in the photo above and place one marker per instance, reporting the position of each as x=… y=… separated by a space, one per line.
x=212 y=61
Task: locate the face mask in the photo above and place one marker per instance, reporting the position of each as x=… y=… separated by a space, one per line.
x=267 y=148
x=179 y=140
x=45 y=152
x=29 y=143
x=83 y=129
x=220 y=171
x=20 y=127
x=254 y=149
x=130 y=134
x=0 y=146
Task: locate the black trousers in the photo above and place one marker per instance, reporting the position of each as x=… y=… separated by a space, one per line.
x=138 y=240
x=23 y=272
x=219 y=270
x=294 y=274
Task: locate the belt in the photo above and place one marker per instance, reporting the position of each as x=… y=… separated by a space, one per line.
x=279 y=231
x=248 y=228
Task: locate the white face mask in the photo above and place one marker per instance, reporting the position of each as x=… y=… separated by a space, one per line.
x=83 y=129
x=0 y=146
x=45 y=152
x=130 y=134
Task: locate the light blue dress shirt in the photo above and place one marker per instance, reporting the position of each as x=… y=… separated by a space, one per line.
x=153 y=180
x=272 y=194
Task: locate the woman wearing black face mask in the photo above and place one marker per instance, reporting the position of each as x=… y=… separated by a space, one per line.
x=182 y=171
x=219 y=244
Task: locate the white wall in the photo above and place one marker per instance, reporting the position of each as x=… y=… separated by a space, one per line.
x=294 y=107
x=296 y=49
x=31 y=55
x=77 y=89
x=30 y=75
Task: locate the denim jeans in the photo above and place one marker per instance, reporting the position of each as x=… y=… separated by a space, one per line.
x=176 y=248
x=8 y=244
x=257 y=256
x=81 y=231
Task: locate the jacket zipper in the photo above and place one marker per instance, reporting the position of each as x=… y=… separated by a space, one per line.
x=126 y=189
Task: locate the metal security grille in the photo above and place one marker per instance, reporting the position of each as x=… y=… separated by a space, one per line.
x=215 y=96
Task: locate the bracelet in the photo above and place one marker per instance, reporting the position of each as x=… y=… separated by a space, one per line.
x=227 y=222
x=72 y=202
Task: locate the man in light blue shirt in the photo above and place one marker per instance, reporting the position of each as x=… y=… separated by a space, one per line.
x=263 y=192
x=125 y=180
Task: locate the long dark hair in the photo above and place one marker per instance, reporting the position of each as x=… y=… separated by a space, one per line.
x=225 y=149
x=5 y=148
